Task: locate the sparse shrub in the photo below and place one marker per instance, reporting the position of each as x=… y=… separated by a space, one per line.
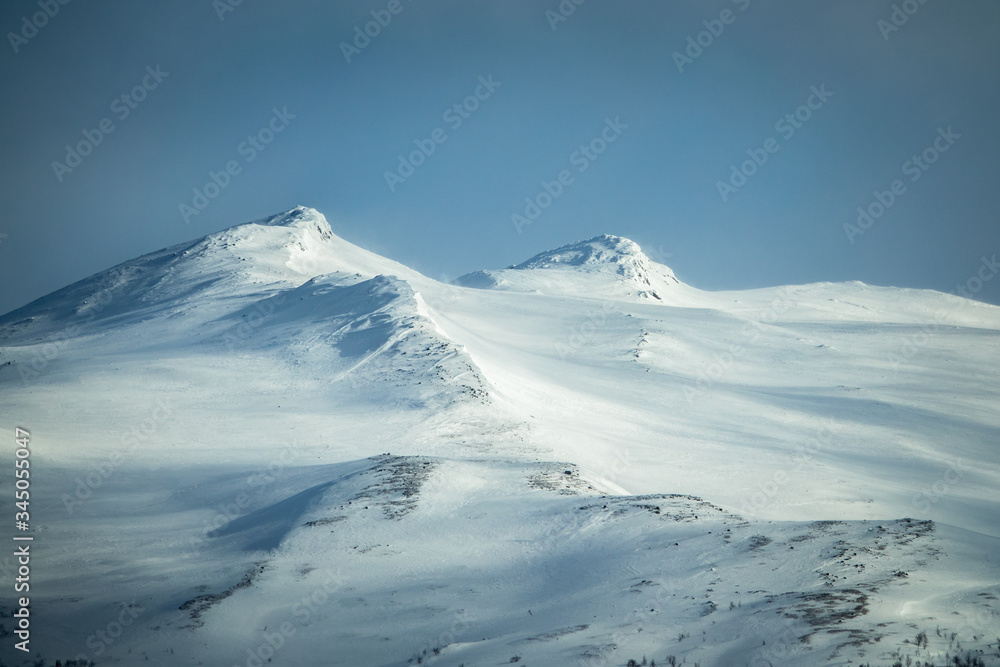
x=968 y=660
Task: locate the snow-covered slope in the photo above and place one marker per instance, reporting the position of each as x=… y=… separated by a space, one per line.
x=270 y=446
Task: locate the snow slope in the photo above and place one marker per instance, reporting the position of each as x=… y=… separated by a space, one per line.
x=270 y=444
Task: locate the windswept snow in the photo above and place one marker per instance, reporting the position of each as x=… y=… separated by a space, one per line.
x=269 y=444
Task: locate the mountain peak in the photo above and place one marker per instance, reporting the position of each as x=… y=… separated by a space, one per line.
x=301 y=217
x=275 y=252
x=605 y=264
x=600 y=250
x=300 y=242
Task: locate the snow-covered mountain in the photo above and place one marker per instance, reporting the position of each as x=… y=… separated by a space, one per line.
x=270 y=446
x=609 y=265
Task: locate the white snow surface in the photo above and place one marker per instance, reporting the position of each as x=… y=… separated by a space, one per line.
x=269 y=446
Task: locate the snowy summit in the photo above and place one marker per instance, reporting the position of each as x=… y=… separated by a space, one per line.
x=612 y=265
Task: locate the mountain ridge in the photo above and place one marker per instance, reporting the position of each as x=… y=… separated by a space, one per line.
x=560 y=469
x=261 y=253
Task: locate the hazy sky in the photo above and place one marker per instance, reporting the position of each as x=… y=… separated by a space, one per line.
x=642 y=108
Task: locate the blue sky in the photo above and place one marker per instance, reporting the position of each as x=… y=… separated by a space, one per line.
x=869 y=85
